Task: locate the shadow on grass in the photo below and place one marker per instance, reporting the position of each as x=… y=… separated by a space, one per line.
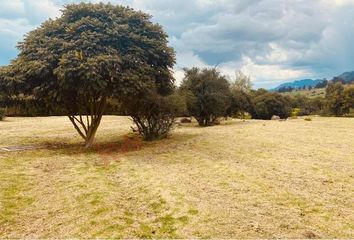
x=228 y=122
x=123 y=145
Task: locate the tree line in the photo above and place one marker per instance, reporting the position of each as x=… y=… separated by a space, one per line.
x=101 y=59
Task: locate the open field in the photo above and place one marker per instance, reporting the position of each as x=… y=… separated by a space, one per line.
x=264 y=179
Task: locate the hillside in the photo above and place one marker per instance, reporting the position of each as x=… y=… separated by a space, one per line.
x=298 y=84
x=347 y=77
x=316 y=92
x=311 y=93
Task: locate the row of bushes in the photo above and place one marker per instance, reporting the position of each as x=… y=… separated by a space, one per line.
x=207 y=95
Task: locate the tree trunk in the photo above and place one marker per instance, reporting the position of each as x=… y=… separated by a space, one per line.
x=87 y=129
x=90 y=138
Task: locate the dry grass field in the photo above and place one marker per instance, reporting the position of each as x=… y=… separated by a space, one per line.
x=316 y=92
x=252 y=179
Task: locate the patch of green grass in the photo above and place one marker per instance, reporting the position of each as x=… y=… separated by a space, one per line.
x=146 y=231
x=193 y=211
x=13 y=188
x=168 y=225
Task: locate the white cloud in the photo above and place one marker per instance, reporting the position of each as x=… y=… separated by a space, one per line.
x=339 y=3
x=11 y=7
x=272 y=40
x=42 y=9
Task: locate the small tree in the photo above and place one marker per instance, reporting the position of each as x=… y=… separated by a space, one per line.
x=153 y=114
x=207 y=94
x=242 y=82
x=240 y=103
x=335 y=98
x=91 y=53
x=349 y=99
x=322 y=84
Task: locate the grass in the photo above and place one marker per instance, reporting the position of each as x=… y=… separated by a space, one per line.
x=311 y=93
x=242 y=179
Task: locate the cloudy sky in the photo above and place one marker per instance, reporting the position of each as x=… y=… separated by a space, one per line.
x=271 y=40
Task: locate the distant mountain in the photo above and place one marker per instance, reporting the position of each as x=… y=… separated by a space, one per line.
x=299 y=84
x=347 y=76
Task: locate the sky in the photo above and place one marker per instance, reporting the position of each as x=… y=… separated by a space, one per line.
x=273 y=41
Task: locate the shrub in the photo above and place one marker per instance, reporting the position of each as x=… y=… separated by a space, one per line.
x=308 y=119
x=295 y=112
x=207 y=94
x=240 y=103
x=2 y=114
x=267 y=104
x=153 y=115
x=307 y=106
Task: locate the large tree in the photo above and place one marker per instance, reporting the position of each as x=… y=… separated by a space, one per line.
x=89 y=54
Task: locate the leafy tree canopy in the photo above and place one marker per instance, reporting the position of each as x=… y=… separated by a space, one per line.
x=335 y=98
x=93 y=52
x=207 y=93
x=242 y=82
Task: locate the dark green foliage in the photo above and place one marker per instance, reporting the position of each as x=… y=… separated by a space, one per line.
x=30 y=107
x=349 y=99
x=240 y=103
x=266 y=104
x=2 y=113
x=179 y=102
x=91 y=53
x=338 y=80
x=322 y=84
x=207 y=94
x=153 y=114
x=307 y=105
x=240 y=99
x=285 y=89
x=314 y=106
x=335 y=101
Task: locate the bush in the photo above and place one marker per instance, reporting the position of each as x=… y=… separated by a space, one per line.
x=153 y=115
x=207 y=95
x=267 y=104
x=240 y=104
x=307 y=106
x=295 y=112
x=2 y=114
x=308 y=119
